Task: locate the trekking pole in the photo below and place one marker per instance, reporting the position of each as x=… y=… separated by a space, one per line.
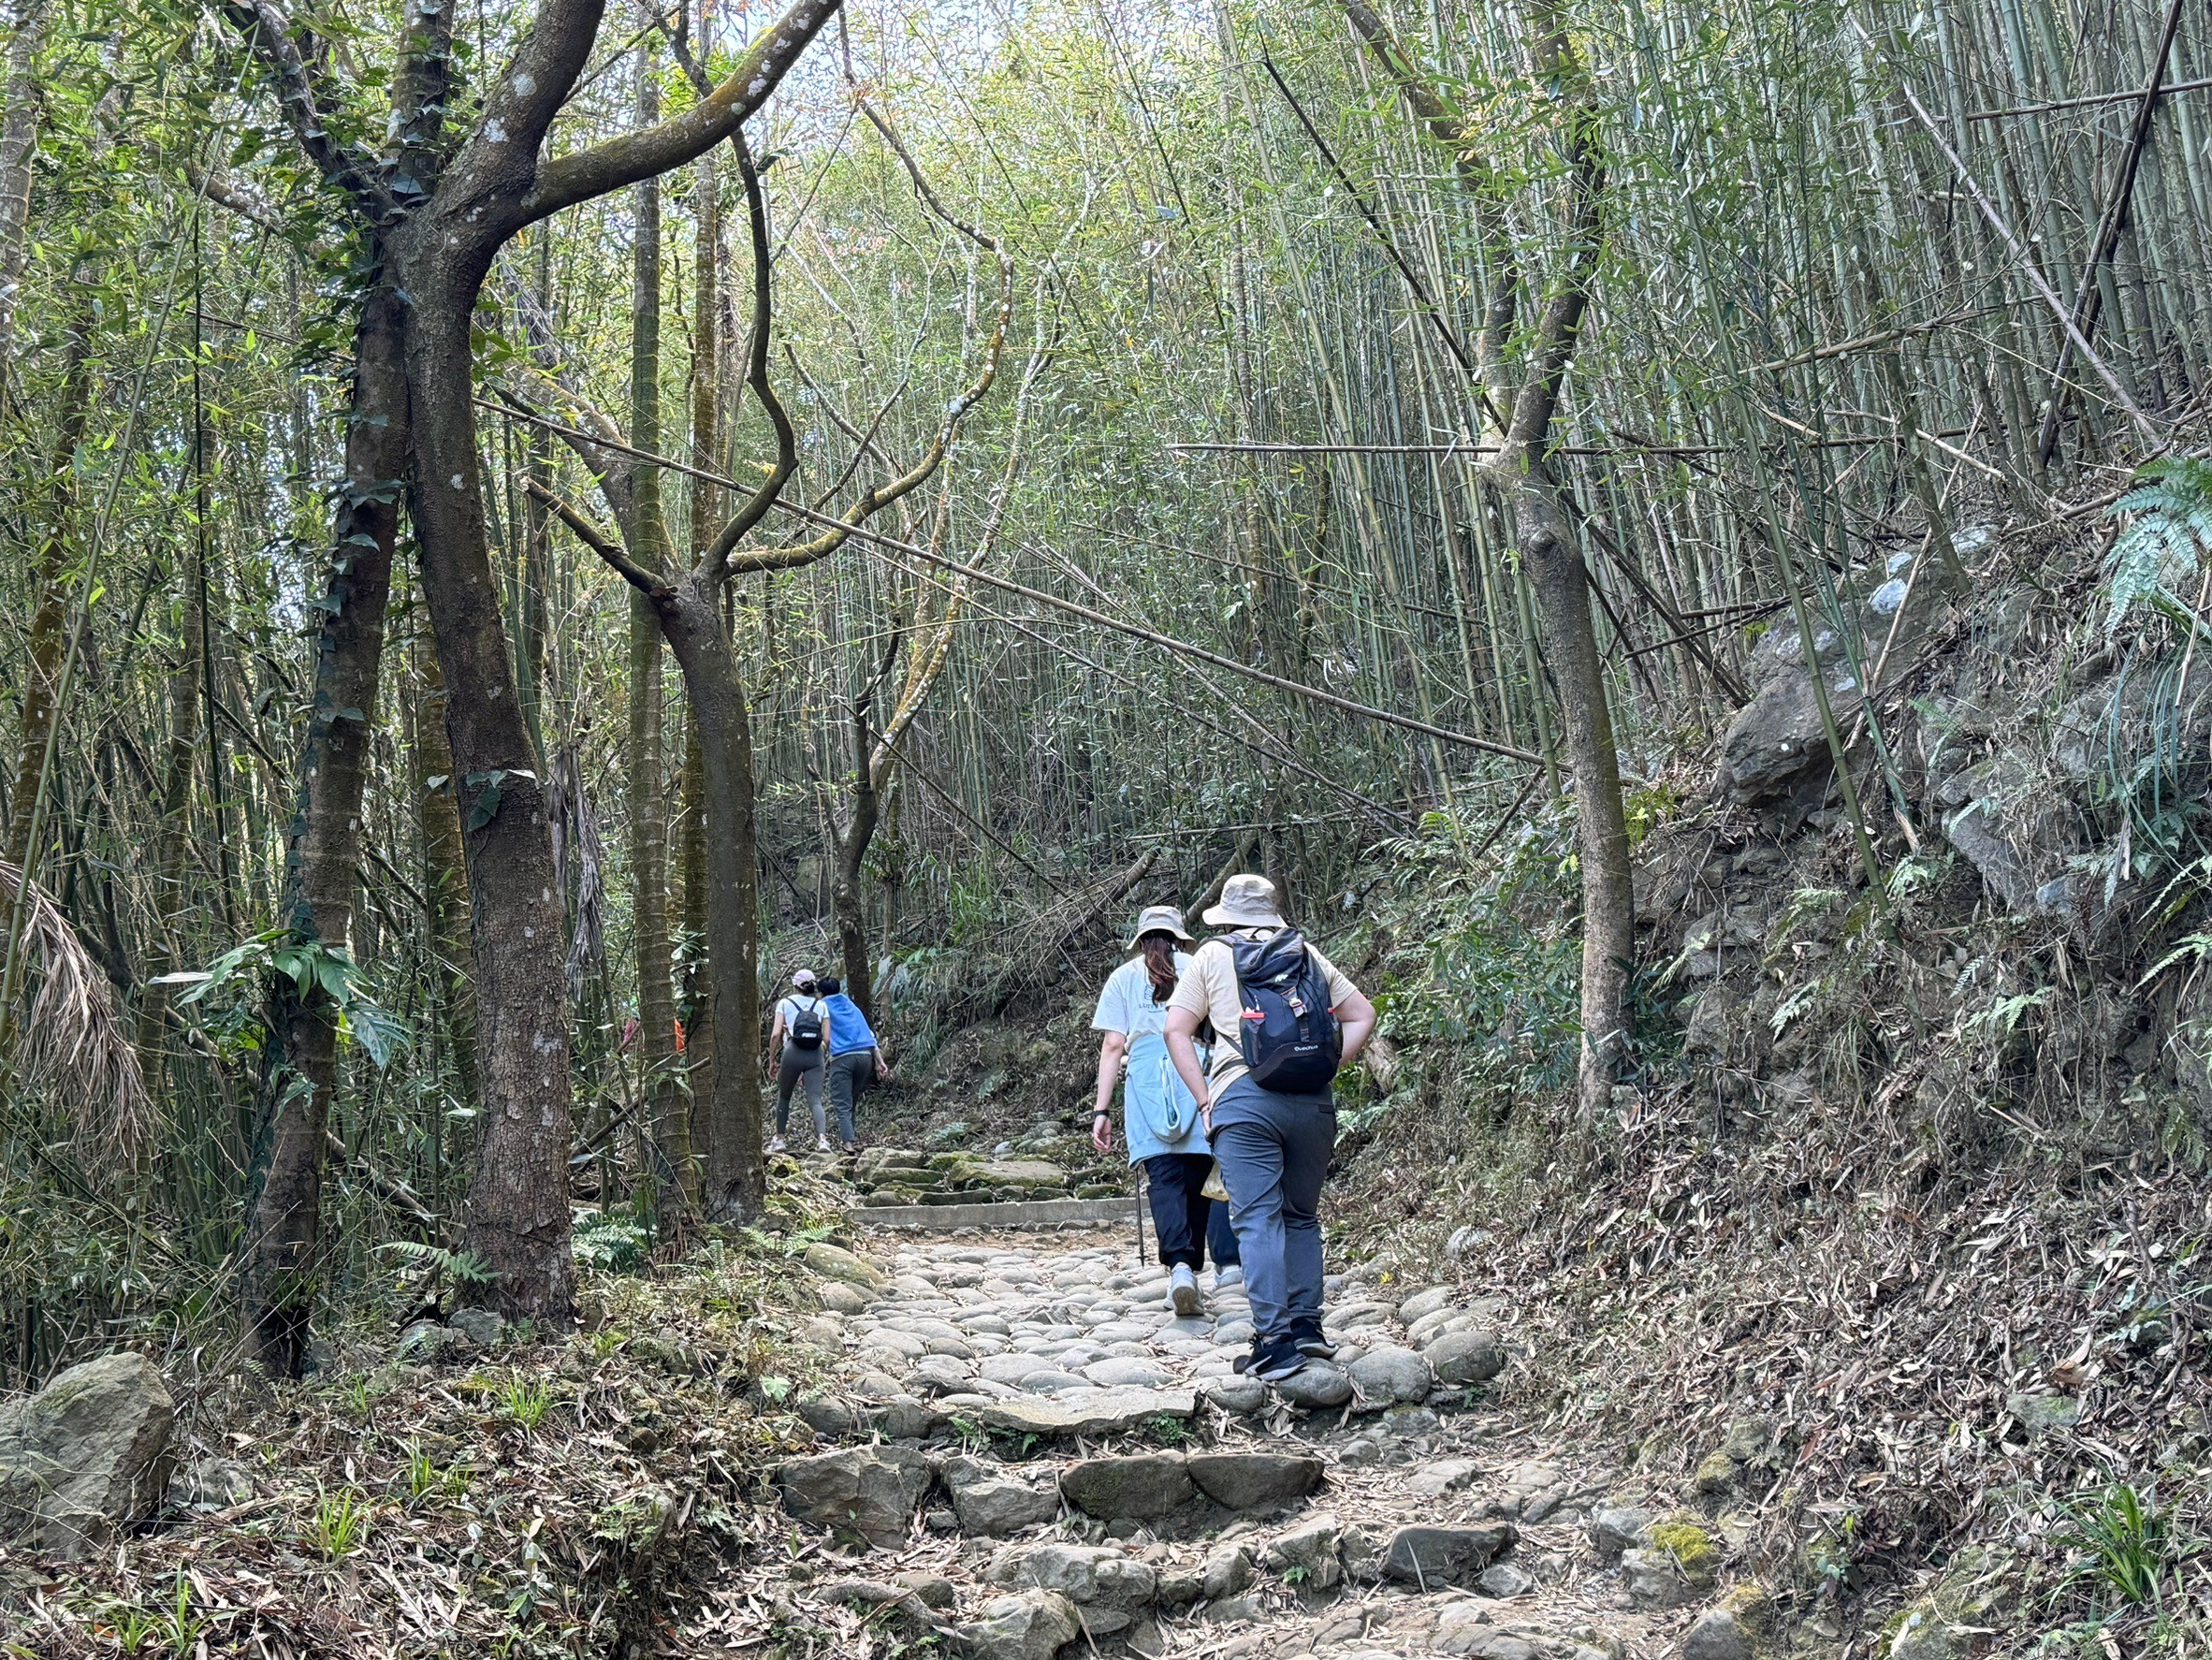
x=1138 y=1187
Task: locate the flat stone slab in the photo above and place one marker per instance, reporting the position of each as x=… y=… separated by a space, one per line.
x=1144 y=1486
x=1106 y=1413
x=1027 y=1213
x=1427 y=1556
x=1255 y=1481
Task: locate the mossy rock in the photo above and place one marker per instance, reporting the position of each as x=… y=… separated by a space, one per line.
x=1749 y=1603
x=1717 y=1474
x=1684 y=1538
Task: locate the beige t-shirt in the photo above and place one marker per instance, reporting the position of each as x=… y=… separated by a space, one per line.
x=1207 y=988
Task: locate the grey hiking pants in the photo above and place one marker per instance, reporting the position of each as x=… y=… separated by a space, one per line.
x=800 y=1065
x=849 y=1075
x=1273 y=1151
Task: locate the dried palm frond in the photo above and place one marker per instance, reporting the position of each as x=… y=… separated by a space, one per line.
x=73 y=1043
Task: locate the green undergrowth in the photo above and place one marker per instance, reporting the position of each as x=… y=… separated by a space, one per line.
x=552 y=1495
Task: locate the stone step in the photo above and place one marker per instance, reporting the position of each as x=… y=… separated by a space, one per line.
x=873 y=1491
x=1013 y=1215
x=1152 y=1484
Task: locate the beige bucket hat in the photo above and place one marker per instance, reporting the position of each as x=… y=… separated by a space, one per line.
x=1159 y=919
x=1247 y=902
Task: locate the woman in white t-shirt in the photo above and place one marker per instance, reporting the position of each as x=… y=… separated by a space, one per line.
x=1159 y=1114
x=793 y=1061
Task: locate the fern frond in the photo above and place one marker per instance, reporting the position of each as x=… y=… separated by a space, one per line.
x=464 y=1268
x=2170 y=512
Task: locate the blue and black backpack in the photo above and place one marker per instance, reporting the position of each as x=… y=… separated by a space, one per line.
x=1288 y=1034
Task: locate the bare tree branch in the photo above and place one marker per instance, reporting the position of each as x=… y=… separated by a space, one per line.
x=716 y=562
x=652 y=584
x=882 y=496
x=568 y=180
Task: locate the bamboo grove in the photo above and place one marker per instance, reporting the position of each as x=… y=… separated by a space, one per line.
x=524 y=522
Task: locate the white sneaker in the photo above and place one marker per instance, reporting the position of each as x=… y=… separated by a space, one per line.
x=1183 y=1291
x=776 y=1145
x=1224 y=1277
x=822 y=1143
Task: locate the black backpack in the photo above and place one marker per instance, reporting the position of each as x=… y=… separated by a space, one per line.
x=1290 y=1037
x=806 y=1028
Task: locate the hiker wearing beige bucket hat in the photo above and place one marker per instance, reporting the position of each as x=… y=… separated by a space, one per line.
x=1285 y=1019
x=1159 y=1114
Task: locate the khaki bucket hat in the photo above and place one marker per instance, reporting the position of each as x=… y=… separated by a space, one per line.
x=1247 y=902
x=1159 y=919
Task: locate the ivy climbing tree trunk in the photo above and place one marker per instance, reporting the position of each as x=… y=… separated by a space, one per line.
x=323 y=849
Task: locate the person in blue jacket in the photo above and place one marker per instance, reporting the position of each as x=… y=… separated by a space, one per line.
x=856 y=1059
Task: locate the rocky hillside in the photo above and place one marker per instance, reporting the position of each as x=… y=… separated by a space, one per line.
x=1897 y=1244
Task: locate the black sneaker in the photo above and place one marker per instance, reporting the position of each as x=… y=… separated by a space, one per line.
x=1310 y=1342
x=1277 y=1361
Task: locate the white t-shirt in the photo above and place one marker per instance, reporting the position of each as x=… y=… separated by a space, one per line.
x=1125 y=1002
x=789 y=1007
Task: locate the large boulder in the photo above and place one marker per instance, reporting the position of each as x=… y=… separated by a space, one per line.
x=870 y=1491
x=1776 y=750
x=87 y=1455
x=1777 y=747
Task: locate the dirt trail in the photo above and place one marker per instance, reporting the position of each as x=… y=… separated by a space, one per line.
x=1032 y=1456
